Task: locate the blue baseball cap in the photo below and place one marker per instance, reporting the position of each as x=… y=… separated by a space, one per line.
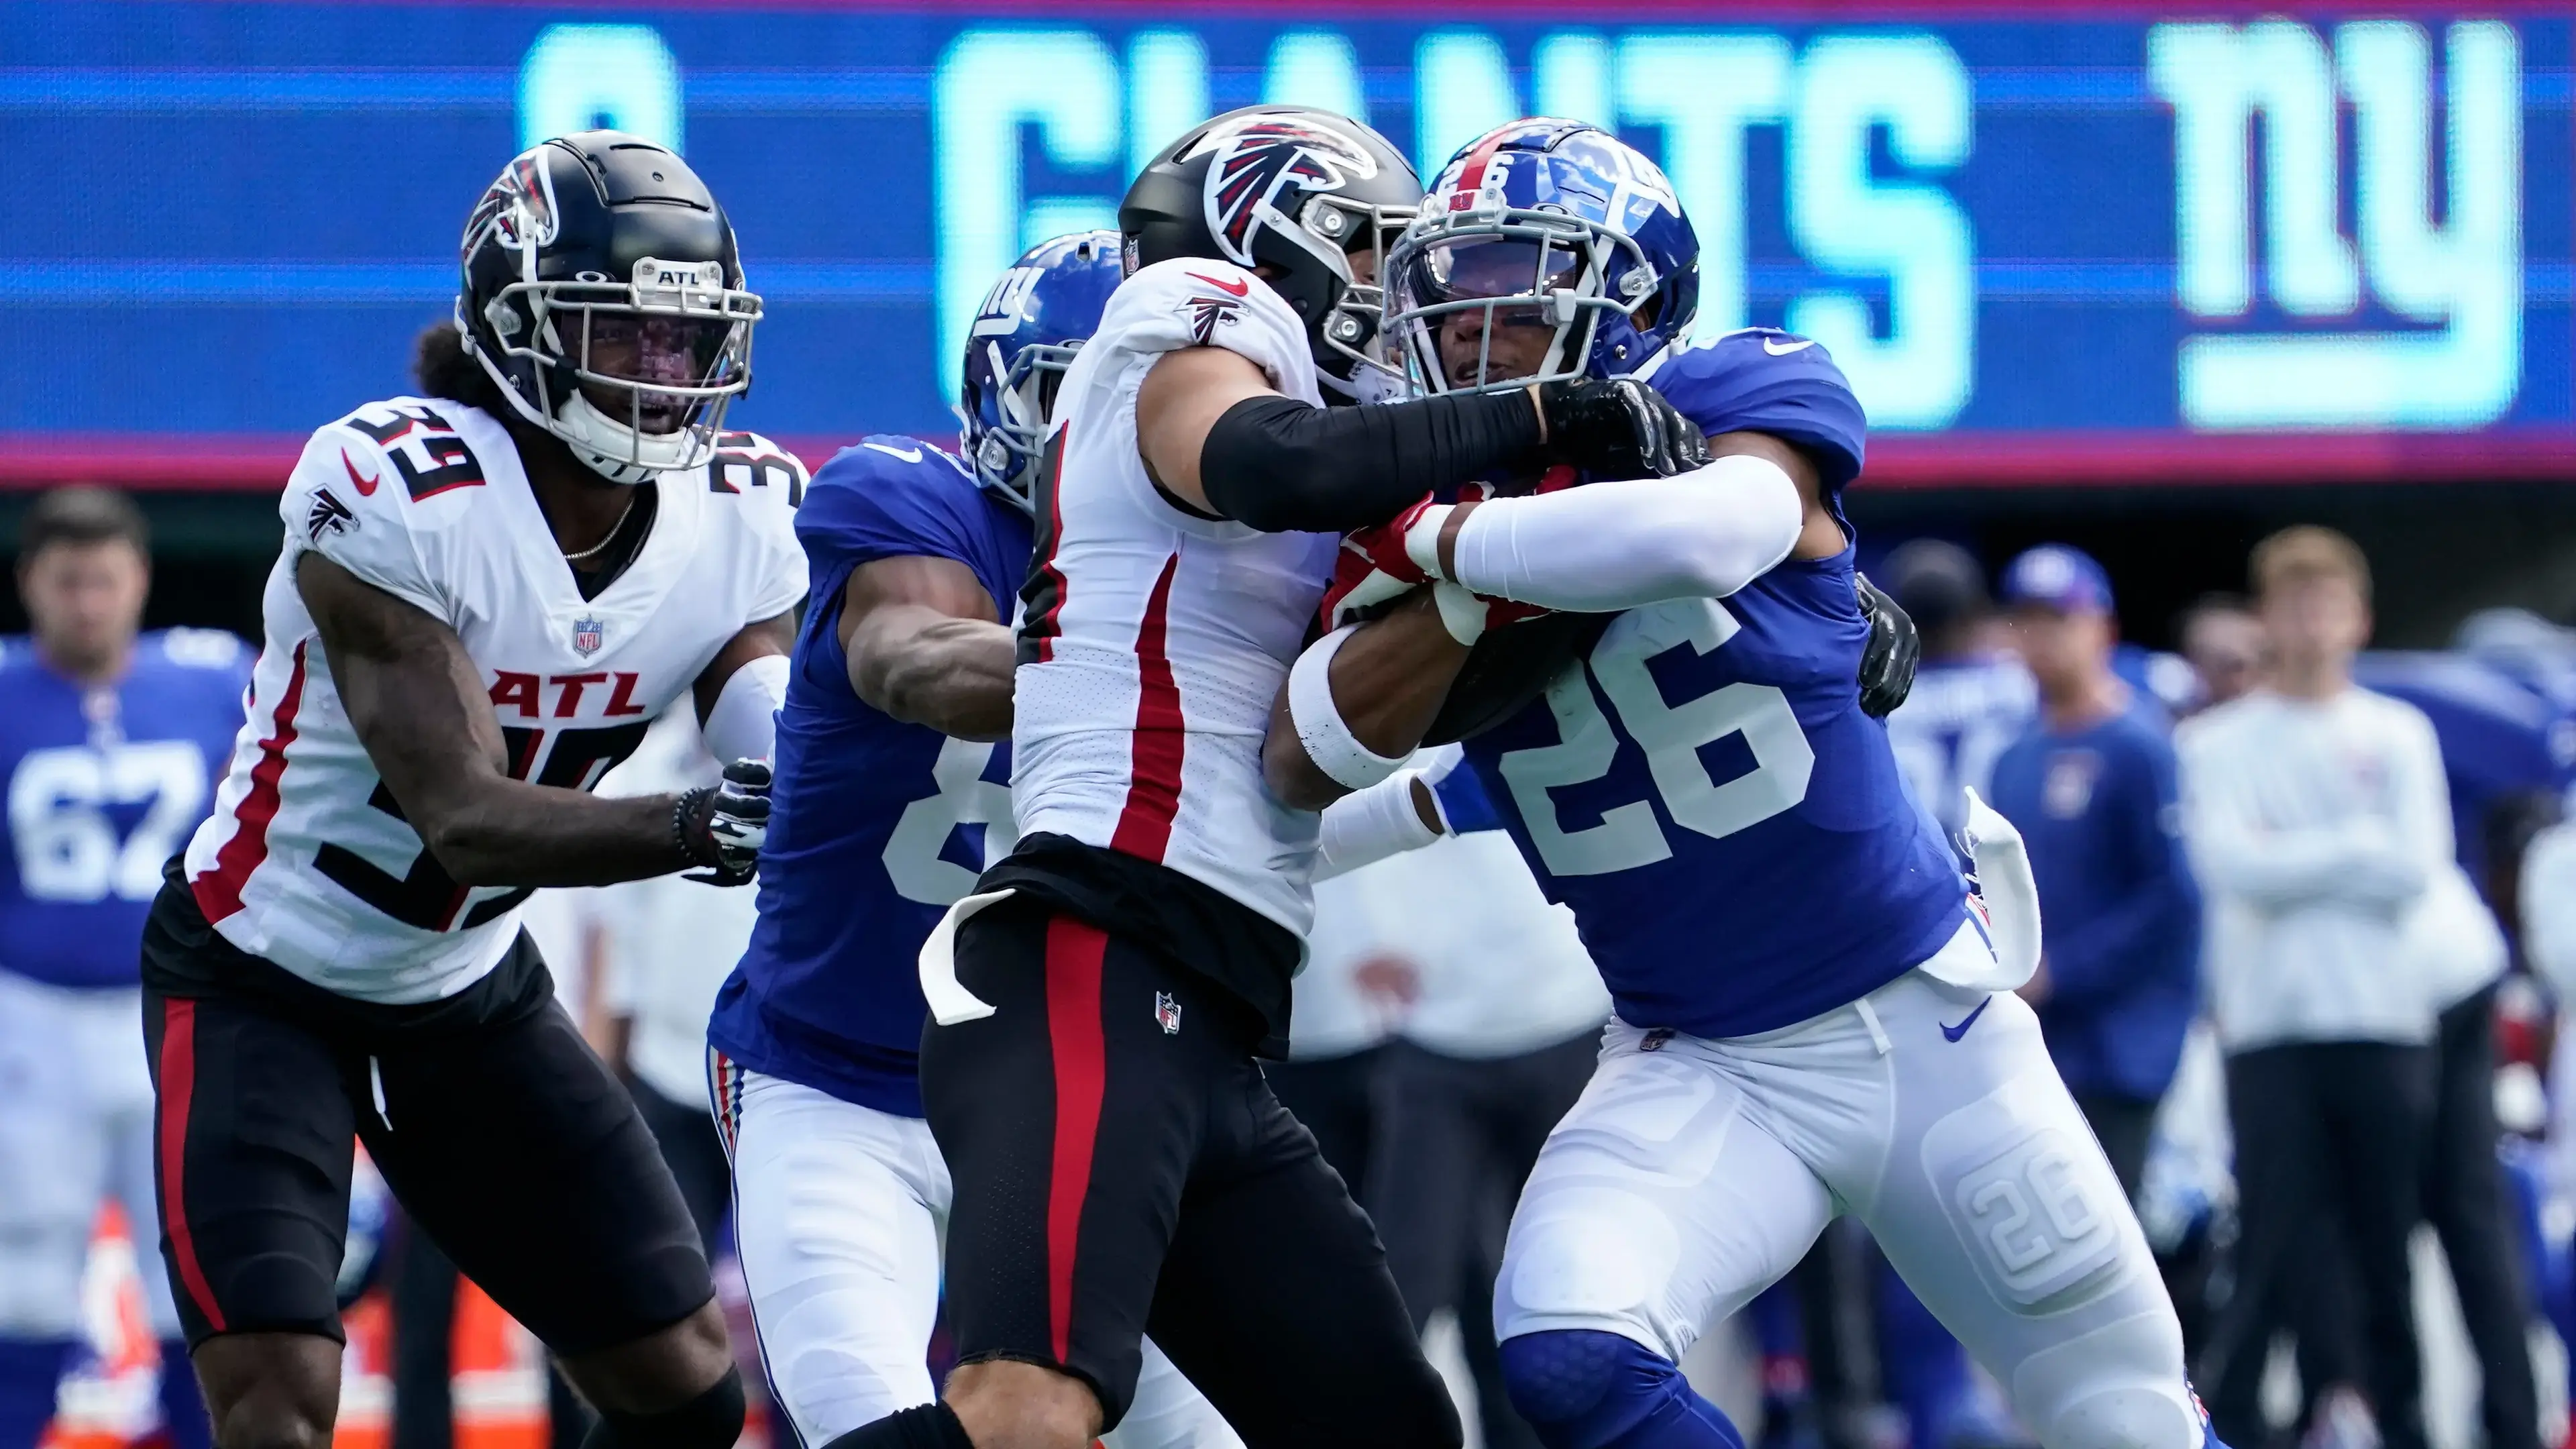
x=2054 y=576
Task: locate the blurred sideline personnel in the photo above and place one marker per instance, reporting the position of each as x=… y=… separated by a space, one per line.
x=666 y=949
x=1811 y=1019
x=1971 y=698
x=1504 y=1021
x=110 y=743
x=2226 y=647
x=2091 y=788
x=1130 y=960
x=2317 y=818
x=485 y=594
x=891 y=791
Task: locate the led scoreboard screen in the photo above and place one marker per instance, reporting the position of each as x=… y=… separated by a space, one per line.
x=2048 y=243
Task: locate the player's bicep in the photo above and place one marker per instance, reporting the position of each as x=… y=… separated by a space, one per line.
x=1820 y=536
x=413 y=695
x=1177 y=406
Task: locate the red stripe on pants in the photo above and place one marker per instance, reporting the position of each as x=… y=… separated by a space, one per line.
x=1154 y=768
x=1073 y=955
x=178 y=1088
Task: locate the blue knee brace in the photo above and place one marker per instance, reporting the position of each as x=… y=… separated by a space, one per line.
x=1582 y=1389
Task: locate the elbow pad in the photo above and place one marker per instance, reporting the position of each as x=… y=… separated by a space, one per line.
x=1278 y=465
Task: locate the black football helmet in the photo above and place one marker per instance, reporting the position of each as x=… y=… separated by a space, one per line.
x=1298 y=191
x=602 y=291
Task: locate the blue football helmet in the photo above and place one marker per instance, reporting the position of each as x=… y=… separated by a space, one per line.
x=1025 y=335
x=1549 y=231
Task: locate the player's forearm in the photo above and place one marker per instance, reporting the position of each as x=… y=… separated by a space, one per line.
x=1388 y=680
x=504 y=832
x=1278 y=465
x=953 y=675
x=1620 y=545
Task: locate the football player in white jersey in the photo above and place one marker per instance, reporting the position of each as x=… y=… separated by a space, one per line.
x=1090 y=1074
x=485 y=594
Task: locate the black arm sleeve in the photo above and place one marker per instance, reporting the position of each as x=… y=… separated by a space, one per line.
x=1281 y=466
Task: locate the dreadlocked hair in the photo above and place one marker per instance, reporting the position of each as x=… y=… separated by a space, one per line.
x=443 y=368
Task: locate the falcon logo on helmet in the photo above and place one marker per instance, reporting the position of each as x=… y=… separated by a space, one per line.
x=1261 y=159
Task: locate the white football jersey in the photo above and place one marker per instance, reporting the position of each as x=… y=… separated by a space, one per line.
x=307 y=860
x=1153 y=638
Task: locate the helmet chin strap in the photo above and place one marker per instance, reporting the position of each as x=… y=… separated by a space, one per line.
x=615 y=451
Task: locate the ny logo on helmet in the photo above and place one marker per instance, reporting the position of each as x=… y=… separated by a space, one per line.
x=1263 y=158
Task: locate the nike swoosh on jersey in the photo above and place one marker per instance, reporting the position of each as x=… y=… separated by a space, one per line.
x=912 y=456
x=1237 y=289
x=366 y=486
x=1773 y=346
x=1956 y=1032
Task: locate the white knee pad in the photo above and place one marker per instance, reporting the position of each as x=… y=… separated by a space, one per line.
x=1587 y=1256
x=2118 y=1387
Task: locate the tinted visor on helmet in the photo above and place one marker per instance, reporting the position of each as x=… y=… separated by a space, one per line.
x=1497 y=299
x=655 y=362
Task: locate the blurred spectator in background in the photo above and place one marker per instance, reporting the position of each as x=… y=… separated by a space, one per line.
x=109 y=739
x=2461 y=956
x=2225 y=646
x=637 y=966
x=2091 y=788
x=669 y=944
x=1498 y=1043
x=1971 y=697
x=2317 y=817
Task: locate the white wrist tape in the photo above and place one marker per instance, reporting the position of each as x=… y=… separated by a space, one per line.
x=1367 y=826
x=1422 y=540
x=744 y=723
x=1328 y=741
x=1461 y=613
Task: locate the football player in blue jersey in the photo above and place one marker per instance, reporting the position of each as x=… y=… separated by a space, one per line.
x=1812 y=1017
x=892 y=789
x=110 y=744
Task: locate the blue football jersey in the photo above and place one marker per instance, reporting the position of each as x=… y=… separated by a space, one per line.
x=1728 y=827
x=875 y=825
x=105 y=785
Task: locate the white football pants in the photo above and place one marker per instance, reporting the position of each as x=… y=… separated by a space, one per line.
x=840 y=1213
x=1694 y=1173
x=76 y=1130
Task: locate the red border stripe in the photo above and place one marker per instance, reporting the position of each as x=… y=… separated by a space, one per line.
x=178 y=1089
x=1074 y=952
x=219 y=891
x=1154 y=769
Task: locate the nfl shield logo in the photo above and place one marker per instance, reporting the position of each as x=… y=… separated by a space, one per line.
x=1168 y=1012
x=586 y=637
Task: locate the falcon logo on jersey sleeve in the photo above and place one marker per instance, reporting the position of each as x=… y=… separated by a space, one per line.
x=1262 y=159
x=328 y=515
x=1209 y=313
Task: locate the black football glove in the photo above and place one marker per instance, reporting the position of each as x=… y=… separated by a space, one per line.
x=1887 y=662
x=722 y=827
x=1619 y=429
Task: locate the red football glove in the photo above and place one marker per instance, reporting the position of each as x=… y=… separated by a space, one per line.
x=1373 y=568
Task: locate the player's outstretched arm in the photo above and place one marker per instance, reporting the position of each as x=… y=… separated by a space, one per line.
x=1622 y=544
x=1216 y=435
x=417 y=702
x=926 y=645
